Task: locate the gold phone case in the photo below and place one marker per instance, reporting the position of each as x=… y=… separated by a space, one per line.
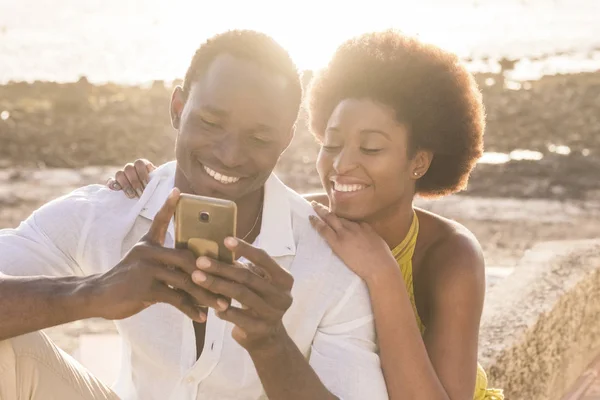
x=202 y=223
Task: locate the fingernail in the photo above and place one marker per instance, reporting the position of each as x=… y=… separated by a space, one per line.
x=203 y=262
x=116 y=186
x=173 y=193
x=222 y=304
x=313 y=203
x=145 y=182
x=130 y=193
x=198 y=276
x=139 y=192
x=311 y=218
x=231 y=242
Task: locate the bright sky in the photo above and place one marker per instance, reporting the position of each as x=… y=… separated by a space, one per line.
x=142 y=40
x=312 y=29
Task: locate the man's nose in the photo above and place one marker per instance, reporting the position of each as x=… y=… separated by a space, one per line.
x=230 y=150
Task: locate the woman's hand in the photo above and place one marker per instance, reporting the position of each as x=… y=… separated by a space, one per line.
x=133 y=178
x=356 y=244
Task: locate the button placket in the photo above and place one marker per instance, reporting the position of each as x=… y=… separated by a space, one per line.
x=211 y=353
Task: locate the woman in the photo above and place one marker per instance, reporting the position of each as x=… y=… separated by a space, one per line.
x=397 y=118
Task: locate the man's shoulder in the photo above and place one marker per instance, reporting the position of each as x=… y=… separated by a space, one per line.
x=91 y=197
x=310 y=242
x=101 y=199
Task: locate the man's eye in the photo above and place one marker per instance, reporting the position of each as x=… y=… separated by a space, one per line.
x=370 y=151
x=209 y=123
x=260 y=140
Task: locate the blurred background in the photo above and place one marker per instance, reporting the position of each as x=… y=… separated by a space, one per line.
x=85 y=87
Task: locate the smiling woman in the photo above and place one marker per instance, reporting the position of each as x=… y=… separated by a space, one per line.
x=397 y=118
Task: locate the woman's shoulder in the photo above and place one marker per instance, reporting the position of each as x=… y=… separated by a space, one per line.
x=442 y=237
x=451 y=258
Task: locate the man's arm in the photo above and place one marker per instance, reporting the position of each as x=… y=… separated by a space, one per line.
x=286 y=374
x=48 y=244
x=29 y=304
x=39 y=282
x=265 y=294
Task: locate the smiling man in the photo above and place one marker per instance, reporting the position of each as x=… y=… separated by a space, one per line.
x=305 y=332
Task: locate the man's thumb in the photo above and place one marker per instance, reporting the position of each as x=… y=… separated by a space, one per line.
x=160 y=224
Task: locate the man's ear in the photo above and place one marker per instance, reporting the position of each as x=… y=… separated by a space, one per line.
x=177 y=103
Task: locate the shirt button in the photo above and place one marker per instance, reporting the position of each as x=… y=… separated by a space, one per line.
x=189 y=379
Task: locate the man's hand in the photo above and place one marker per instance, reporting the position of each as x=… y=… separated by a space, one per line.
x=151 y=273
x=265 y=297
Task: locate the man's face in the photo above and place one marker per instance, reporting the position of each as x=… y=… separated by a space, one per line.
x=237 y=120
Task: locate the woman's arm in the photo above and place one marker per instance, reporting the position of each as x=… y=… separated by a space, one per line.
x=133 y=178
x=442 y=364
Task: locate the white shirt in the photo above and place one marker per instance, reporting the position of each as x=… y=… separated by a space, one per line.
x=89 y=230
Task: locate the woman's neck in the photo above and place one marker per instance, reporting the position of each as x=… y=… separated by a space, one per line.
x=393 y=223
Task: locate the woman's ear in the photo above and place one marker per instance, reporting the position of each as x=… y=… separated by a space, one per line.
x=420 y=163
x=177 y=104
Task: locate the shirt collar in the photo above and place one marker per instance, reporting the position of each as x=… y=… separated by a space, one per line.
x=162 y=181
x=276 y=231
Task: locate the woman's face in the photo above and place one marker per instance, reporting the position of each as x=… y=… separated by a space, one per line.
x=364 y=163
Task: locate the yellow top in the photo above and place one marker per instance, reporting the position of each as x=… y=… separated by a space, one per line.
x=403 y=254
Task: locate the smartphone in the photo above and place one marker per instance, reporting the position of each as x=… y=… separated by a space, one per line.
x=202 y=224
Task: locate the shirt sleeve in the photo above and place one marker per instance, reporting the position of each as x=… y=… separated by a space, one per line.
x=344 y=352
x=48 y=242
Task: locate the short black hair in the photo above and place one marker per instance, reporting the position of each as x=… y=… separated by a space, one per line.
x=430 y=90
x=248 y=45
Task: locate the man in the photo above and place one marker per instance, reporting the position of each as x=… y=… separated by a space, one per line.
x=95 y=253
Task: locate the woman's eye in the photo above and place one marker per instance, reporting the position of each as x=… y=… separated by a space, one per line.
x=330 y=148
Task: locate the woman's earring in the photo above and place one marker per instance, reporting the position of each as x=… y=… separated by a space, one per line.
x=415 y=173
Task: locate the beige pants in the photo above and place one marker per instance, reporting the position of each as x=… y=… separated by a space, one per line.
x=32 y=367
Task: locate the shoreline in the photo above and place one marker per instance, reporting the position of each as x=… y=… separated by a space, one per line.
x=79 y=124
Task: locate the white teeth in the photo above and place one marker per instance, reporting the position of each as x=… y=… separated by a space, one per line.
x=219 y=177
x=347 y=188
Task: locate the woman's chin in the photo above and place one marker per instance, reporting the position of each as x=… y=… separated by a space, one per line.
x=349 y=212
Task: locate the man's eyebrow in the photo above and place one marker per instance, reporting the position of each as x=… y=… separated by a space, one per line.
x=210 y=109
x=370 y=131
